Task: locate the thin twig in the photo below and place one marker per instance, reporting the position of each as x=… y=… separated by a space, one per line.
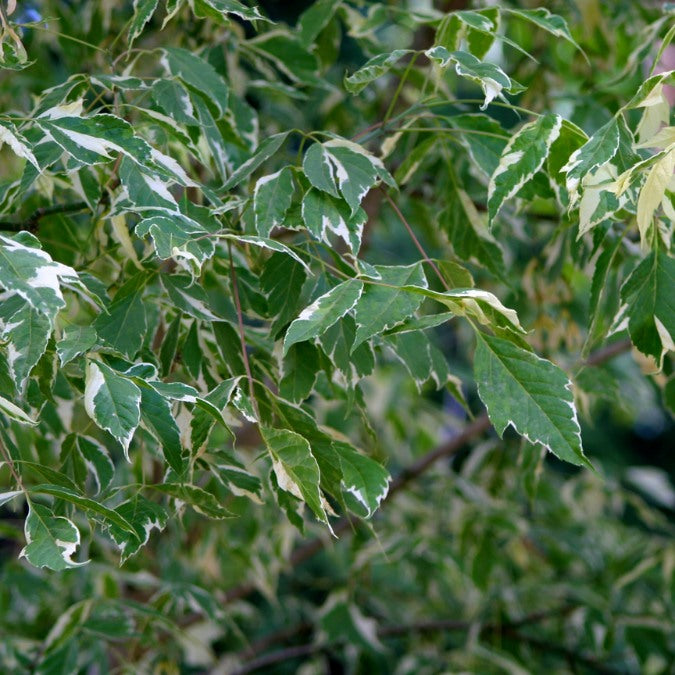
x=608 y=352
x=242 y=337
x=416 y=241
x=31 y=223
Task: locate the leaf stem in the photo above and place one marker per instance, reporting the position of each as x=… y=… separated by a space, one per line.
x=242 y=337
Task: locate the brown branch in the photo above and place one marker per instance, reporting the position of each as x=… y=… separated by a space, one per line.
x=31 y=223
x=435 y=625
x=416 y=241
x=313 y=546
x=608 y=352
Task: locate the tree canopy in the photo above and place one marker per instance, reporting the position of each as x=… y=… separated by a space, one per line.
x=336 y=336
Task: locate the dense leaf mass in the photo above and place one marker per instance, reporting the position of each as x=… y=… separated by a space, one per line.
x=264 y=267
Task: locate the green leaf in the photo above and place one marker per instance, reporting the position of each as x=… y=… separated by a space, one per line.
x=143 y=11
x=188 y=296
x=15 y=413
x=529 y=393
x=203 y=419
x=653 y=192
x=295 y=468
x=197 y=73
x=552 y=23
x=315 y=18
x=200 y=500
x=374 y=68
x=123 y=325
x=323 y=312
x=272 y=198
x=491 y=79
x=76 y=340
x=167 y=352
x=97 y=460
x=365 y=482
x=482 y=305
x=300 y=369
x=263 y=242
x=27 y=331
x=221 y=8
x=385 y=304
x=182 y=239
x=33 y=275
x=19 y=145
x=113 y=402
x=598 y=150
x=89 y=505
x=322 y=214
x=89 y=140
x=522 y=157
x=344 y=165
x=157 y=416
x=50 y=540
x=485 y=139
x=264 y=151
x=282 y=281
x=144 y=516
x=649 y=305
x=337 y=343
x=468 y=235
x=288 y=54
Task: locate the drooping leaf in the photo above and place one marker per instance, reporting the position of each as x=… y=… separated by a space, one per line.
x=322 y=214
x=485 y=139
x=200 y=500
x=27 y=331
x=384 y=304
x=323 y=312
x=51 y=540
x=19 y=145
x=343 y=165
x=363 y=480
x=282 y=281
x=315 y=18
x=88 y=505
x=143 y=11
x=157 y=416
x=300 y=369
x=598 y=150
x=295 y=468
x=529 y=393
x=649 y=305
x=264 y=151
x=32 y=274
x=198 y=73
x=468 y=235
x=113 y=402
x=221 y=8
x=522 y=157
x=653 y=192
x=272 y=198
x=122 y=326
x=491 y=78
x=372 y=69
x=551 y=23
x=76 y=340
x=144 y=516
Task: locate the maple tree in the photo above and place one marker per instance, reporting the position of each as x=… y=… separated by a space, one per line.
x=263 y=274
